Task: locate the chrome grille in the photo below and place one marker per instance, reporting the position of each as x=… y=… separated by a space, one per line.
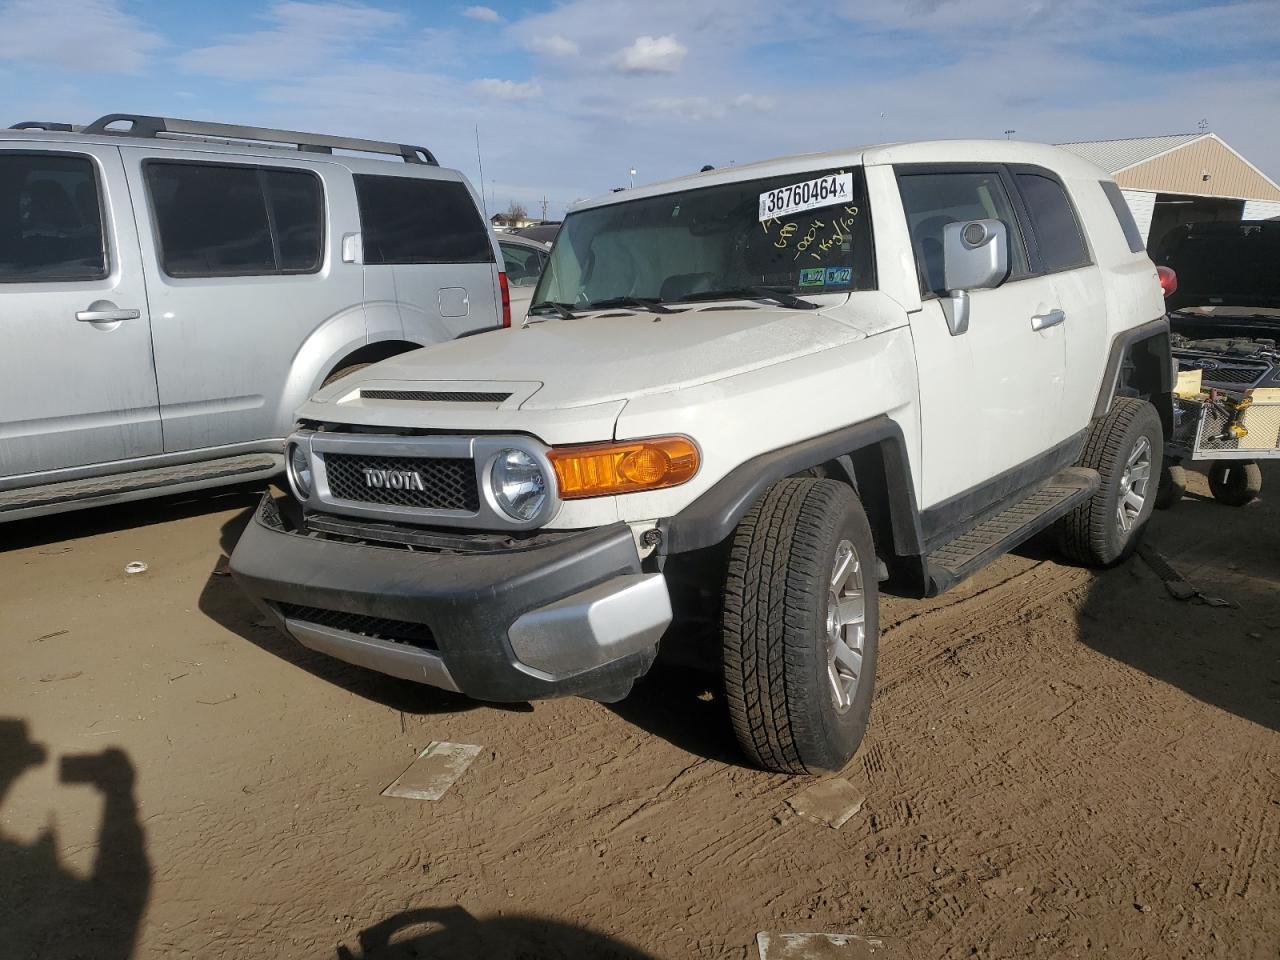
x=401 y=631
x=447 y=483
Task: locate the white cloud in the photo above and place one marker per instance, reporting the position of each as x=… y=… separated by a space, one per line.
x=553 y=46
x=752 y=101
x=651 y=55
x=304 y=36
x=705 y=108
x=487 y=14
x=90 y=35
x=686 y=108
x=507 y=89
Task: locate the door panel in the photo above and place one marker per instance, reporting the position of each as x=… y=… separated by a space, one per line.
x=1082 y=296
x=73 y=392
x=250 y=271
x=989 y=398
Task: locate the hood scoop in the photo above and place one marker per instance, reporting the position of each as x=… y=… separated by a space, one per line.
x=436 y=396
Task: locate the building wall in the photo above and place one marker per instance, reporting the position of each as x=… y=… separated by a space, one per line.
x=1261 y=209
x=1142 y=204
x=1182 y=171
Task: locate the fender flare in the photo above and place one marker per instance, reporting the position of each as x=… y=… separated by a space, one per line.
x=1153 y=339
x=864 y=448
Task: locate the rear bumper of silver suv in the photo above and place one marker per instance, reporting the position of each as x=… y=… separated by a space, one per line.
x=569 y=615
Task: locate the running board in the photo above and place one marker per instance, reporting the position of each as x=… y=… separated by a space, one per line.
x=1015 y=524
x=158 y=481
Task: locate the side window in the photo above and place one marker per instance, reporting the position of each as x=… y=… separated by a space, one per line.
x=932 y=200
x=411 y=220
x=297 y=214
x=1132 y=235
x=226 y=221
x=1059 y=239
x=50 y=219
x=522 y=264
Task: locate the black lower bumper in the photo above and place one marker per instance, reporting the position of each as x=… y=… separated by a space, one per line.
x=456 y=610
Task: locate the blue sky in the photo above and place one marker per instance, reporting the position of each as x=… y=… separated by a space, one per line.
x=570 y=95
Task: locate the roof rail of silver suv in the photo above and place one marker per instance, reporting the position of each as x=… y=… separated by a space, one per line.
x=146 y=126
x=43 y=125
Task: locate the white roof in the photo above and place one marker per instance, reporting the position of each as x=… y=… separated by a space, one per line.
x=922 y=151
x=1116 y=155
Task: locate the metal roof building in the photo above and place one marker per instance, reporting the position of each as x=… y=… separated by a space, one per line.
x=1183 y=178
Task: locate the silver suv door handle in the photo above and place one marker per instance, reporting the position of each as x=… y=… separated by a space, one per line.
x=1042 y=321
x=107 y=316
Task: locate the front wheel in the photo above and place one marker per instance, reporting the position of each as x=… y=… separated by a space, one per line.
x=1235 y=482
x=800 y=627
x=1125 y=447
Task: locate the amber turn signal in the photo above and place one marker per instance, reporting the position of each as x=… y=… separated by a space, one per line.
x=605 y=469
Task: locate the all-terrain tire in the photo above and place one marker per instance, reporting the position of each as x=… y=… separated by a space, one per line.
x=1092 y=533
x=1173 y=486
x=1235 y=482
x=775 y=629
x=343 y=372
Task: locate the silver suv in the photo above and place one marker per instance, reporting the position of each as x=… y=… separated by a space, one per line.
x=172 y=291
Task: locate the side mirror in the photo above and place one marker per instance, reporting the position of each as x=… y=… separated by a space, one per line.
x=975 y=256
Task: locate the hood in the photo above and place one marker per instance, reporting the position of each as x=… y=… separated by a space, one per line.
x=611 y=356
x=1223 y=264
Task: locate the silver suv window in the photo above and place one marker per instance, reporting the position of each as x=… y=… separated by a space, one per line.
x=50 y=219
x=412 y=220
x=223 y=220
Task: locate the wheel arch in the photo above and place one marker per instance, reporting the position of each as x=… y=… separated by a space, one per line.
x=369 y=353
x=870 y=456
x=1140 y=365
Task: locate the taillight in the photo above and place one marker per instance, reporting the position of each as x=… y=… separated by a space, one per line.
x=1168 y=281
x=506 y=299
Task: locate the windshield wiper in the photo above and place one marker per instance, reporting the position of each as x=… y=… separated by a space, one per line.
x=651 y=304
x=560 y=309
x=777 y=295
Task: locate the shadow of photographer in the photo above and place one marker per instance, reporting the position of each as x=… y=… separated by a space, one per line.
x=454 y=934
x=46 y=910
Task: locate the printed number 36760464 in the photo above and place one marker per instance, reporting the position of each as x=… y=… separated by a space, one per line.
x=795 y=197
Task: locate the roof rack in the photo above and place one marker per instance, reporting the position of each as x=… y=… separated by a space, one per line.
x=43 y=125
x=145 y=126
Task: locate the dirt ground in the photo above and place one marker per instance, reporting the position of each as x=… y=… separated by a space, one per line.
x=1060 y=764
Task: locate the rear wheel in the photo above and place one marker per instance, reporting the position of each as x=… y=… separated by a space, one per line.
x=800 y=625
x=1125 y=448
x=1235 y=482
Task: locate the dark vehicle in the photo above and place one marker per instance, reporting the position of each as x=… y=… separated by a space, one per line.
x=1225 y=323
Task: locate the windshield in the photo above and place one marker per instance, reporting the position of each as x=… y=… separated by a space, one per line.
x=804 y=233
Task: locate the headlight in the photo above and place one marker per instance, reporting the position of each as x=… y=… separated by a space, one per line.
x=299 y=471
x=519 y=485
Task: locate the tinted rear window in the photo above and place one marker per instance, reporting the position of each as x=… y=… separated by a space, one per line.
x=408 y=220
x=222 y=221
x=1058 y=235
x=1132 y=235
x=50 y=219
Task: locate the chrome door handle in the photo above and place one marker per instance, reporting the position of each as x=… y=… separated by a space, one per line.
x=107 y=316
x=1043 y=321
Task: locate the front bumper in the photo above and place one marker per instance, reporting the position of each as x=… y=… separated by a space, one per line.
x=573 y=616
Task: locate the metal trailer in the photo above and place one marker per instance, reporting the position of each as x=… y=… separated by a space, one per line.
x=1231 y=432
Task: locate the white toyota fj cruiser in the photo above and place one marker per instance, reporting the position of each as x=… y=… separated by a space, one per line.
x=747 y=400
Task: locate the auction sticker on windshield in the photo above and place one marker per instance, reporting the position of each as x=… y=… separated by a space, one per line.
x=796 y=197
